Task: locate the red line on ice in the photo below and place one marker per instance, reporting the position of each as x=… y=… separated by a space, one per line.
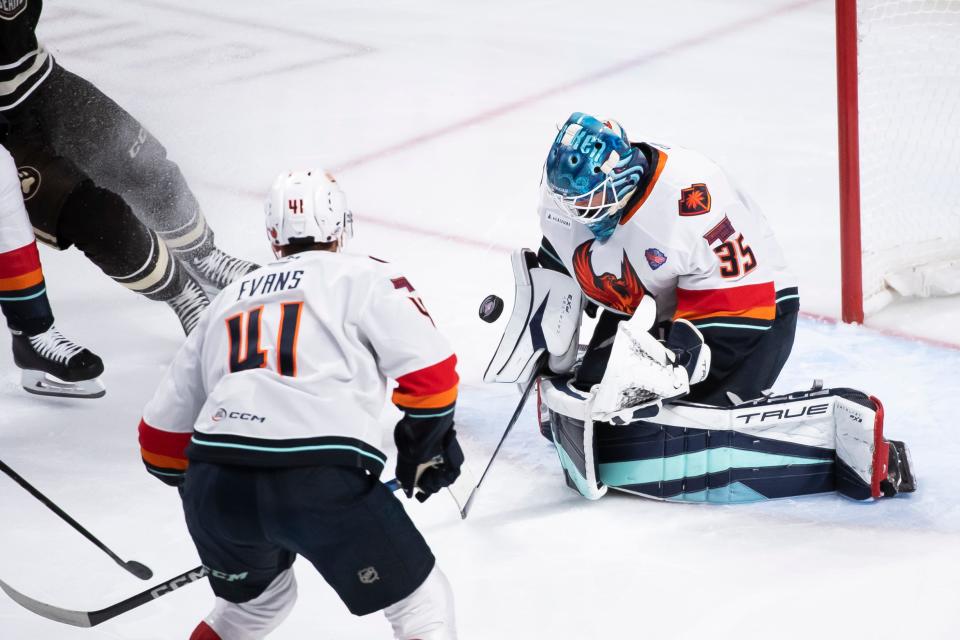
x=525 y=101
x=596 y=76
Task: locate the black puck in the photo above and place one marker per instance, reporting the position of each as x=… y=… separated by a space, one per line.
x=491 y=308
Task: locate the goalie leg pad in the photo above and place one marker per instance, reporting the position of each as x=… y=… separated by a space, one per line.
x=798 y=444
x=655 y=459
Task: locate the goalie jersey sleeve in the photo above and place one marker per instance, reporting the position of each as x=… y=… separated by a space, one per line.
x=290 y=365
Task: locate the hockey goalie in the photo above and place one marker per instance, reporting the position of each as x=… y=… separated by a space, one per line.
x=671 y=397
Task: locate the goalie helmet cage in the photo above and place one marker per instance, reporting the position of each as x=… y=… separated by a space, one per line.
x=898 y=94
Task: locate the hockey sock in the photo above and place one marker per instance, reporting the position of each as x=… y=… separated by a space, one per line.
x=204 y=632
x=103 y=226
x=427 y=613
x=258 y=617
x=23 y=293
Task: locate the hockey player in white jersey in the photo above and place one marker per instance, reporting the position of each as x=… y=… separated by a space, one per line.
x=51 y=363
x=275 y=401
x=698 y=315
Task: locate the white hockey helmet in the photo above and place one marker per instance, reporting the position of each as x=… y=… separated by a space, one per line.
x=305 y=207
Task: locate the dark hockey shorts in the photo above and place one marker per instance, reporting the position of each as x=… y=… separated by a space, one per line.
x=348 y=524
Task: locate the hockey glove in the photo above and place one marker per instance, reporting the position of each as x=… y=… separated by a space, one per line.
x=425 y=465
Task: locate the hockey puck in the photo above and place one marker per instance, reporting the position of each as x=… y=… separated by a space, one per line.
x=491 y=308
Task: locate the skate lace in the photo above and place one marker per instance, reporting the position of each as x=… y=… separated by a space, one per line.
x=221 y=267
x=53 y=345
x=189 y=304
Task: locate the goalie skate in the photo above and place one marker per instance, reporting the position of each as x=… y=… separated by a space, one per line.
x=900 y=477
x=53 y=365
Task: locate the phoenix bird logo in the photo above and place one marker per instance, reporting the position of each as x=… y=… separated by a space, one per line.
x=622 y=293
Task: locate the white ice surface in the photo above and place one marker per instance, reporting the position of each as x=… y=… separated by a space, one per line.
x=437 y=116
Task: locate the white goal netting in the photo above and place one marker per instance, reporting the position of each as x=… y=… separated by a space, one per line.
x=909 y=100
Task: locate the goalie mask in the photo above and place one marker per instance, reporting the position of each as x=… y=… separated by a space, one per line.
x=307 y=207
x=592 y=171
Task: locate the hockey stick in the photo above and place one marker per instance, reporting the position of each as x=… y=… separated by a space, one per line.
x=93 y=618
x=139 y=570
x=513 y=421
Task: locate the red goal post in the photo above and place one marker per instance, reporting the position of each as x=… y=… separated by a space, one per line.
x=898 y=94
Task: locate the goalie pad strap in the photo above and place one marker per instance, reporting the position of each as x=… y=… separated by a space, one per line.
x=573 y=435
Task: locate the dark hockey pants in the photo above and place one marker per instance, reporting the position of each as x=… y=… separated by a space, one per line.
x=249 y=524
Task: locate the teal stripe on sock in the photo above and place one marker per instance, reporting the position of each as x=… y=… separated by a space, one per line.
x=30 y=297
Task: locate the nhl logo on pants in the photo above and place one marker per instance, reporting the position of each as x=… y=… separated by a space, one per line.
x=10 y=9
x=368 y=575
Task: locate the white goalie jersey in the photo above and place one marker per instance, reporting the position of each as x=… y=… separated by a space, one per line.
x=289 y=367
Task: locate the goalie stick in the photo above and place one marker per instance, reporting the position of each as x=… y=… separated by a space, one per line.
x=513 y=420
x=136 y=568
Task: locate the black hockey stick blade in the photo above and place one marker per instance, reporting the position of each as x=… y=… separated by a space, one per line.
x=93 y=618
x=513 y=420
x=136 y=568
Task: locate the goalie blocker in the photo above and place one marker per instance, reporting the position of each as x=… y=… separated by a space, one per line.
x=803 y=443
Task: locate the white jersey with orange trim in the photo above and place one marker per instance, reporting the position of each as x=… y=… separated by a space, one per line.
x=691 y=239
x=289 y=366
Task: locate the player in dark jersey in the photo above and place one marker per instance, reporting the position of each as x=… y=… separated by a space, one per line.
x=93 y=177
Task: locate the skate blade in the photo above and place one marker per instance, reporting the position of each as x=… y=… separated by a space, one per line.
x=44 y=384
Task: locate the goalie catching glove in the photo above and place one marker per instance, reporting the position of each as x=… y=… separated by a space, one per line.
x=643 y=372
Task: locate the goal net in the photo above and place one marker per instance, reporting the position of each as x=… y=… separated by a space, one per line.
x=908 y=90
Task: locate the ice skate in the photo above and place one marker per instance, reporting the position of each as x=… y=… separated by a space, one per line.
x=189 y=304
x=54 y=365
x=900 y=478
x=216 y=269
